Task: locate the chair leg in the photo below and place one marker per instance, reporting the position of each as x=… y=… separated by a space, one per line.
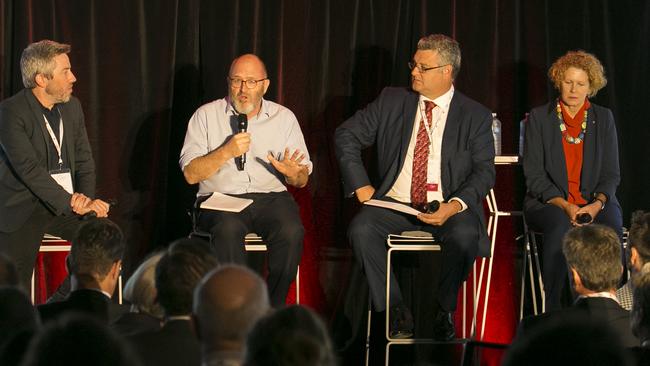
x=540 y=281
x=368 y=331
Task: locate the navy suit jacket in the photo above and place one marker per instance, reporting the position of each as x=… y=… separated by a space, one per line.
x=598 y=309
x=467 y=160
x=86 y=301
x=545 y=164
x=174 y=344
x=25 y=181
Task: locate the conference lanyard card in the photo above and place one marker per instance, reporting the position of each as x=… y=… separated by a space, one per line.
x=64 y=178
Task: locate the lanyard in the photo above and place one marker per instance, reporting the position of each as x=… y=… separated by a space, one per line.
x=57 y=142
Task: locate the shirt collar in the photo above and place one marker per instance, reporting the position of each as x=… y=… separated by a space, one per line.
x=443 y=101
x=605 y=294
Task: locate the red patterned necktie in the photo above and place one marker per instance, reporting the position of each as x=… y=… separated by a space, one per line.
x=420 y=161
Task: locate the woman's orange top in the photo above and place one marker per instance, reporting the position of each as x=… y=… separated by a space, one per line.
x=573 y=152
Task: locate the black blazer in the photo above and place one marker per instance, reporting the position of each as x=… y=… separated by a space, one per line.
x=545 y=164
x=174 y=344
x=467 y=160
x=24 y=178
x=86 y=301
x=600 y=309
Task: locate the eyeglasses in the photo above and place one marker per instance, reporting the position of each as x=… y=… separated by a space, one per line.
x=236 y=83
x=423 y=69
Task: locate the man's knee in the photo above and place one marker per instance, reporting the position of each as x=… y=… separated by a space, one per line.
x=227 y=227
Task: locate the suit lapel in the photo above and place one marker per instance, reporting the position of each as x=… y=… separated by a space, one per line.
x=409 y=109
x=68 y=133
x=589 y=149
x=39 y=121
x=450 y=136
x=556 y=147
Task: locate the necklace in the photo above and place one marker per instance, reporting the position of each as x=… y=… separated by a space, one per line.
x=570 y=139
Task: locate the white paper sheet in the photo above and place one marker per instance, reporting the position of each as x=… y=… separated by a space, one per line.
x=396 y=206
x=222 y=202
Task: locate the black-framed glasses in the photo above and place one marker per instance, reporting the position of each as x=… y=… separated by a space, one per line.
x=422 y=69
x=250 y=84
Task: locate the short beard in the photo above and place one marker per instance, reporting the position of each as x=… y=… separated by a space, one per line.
x=246 y=108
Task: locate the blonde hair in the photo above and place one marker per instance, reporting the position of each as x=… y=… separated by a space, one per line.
x=140 y=289
x=580 y=60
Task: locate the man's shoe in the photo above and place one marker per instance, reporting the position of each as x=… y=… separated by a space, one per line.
x=401 y=322
x=443 y=327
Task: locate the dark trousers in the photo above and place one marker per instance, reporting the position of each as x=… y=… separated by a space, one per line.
x=553 y=222
x=23 y=244
x=273 y=216
x=459 y=240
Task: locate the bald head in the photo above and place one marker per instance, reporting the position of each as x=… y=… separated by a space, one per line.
x=251 y=63
x=227 y=303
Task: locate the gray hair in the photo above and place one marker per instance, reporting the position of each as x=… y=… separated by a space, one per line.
x=38 y=58
x=140 y=289
x=448 y=50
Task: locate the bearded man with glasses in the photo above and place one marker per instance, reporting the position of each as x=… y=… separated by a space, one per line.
x=433 y=144
x=254 y=162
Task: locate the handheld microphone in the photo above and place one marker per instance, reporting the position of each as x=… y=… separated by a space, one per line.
x=583 y=218
x=242 y=123
x=92 y=214
x=432 y=206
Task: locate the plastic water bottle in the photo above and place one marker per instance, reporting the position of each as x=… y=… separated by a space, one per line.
x=522 y=134
x=496 y=132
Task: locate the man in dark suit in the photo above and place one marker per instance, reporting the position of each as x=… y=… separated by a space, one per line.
x=178 y=272
x=592 y=253
x=94 y=263
x=47 y=173
x=449 y=158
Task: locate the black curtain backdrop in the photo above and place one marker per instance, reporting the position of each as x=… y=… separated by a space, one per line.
x=143 y=67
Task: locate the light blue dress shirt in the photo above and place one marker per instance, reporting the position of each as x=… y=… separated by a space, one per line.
x=272 y=130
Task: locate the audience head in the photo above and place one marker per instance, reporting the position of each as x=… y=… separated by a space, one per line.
x=178 y=273
x=38 y=58
x=638 y=240
x=580 y=60
x=579 y=340
x=593 y=254
x=227 y=303
x=140 y=289
x=16 y=313
x=96 y=255
x=290 y=336
x=8 y=272
x=77 y=339
x=641 y=305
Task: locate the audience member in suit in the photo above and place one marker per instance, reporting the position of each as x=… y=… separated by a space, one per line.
x=293 y=336
x=571 y=164
x=18 y=323
x=638 y=253
x=570 y=341
x=449 y=158
x=227 y=304
x=76 y=340
x=94 y=263
x=178 y=272
x=592 y=253
x=8 y=272
x=47 y=173
x=641 y=315
x=145 y=314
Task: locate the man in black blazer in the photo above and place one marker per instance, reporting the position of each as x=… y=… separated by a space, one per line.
x=94 y=263
x=47 y=173
x=592 y=253
x=458 y=171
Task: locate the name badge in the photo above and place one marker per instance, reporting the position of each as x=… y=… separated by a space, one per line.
x=64 y=178
x=432 y=187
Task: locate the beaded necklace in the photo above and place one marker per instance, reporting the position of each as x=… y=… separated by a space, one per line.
x=570 y=139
